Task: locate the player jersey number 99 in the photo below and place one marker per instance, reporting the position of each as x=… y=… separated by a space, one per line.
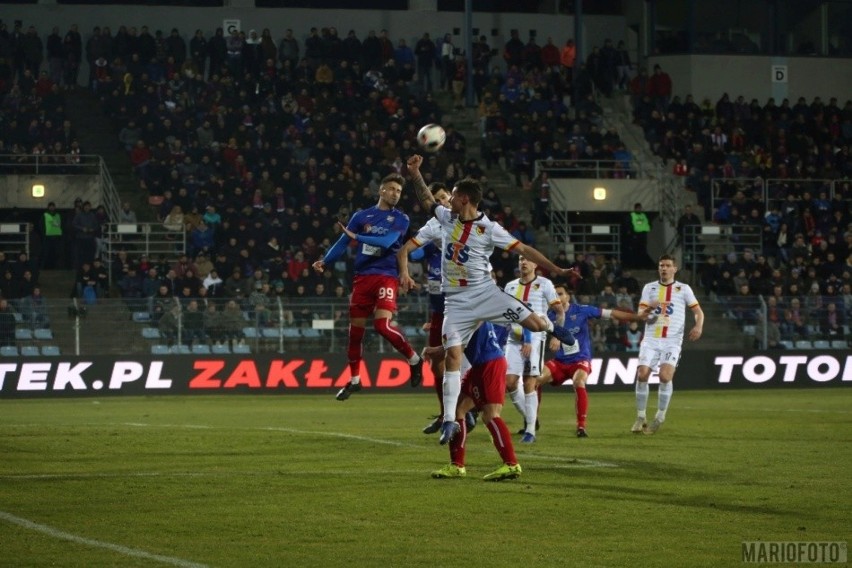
x=385 y=293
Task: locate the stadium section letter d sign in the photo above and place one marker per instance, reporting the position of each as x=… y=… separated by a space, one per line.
x=779 y=73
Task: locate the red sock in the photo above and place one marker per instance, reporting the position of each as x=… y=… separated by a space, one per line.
x=457 y=444
x=394 y=335
x=502 y=439
x=356 y=337
x=582 y=405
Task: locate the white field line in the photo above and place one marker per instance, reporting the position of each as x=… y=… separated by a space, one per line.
x=62 y=535
x=564 y=460
x=804 y=410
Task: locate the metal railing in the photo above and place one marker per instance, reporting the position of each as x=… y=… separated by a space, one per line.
x=788 y=322
x=46 y=164
x=596 y=169
x=145 y=326
x=14 y=239
x=703 y=241
x=588 y=239
x=775 y=192
x=151 y=239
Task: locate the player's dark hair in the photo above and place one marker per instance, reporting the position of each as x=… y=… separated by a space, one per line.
x=395 y=178
x=667 y=257
x=471 y=188
x=568 y=288
x=437 y=186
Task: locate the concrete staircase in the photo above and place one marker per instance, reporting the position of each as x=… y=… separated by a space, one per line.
x=100 y=136
x=500 y=179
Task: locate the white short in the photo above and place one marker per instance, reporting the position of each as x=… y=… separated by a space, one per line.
x=654 y=352
x=519 y=365
x=465 y=310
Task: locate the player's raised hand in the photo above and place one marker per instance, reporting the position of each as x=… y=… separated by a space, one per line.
x=413 y=164
x=319 y=266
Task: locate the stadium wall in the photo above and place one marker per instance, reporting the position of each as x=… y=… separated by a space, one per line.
x=323 y=374
x=760 y=77
x=16 y=190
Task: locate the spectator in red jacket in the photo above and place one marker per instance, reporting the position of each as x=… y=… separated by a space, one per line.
x=660 y=88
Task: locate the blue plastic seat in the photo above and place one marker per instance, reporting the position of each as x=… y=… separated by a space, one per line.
x=43 y=334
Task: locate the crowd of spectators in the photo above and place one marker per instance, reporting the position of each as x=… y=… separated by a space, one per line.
x=255 y=146
x=780 y=177
x=256 y=156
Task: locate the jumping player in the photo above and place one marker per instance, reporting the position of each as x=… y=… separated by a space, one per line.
x=468 y=239
x=379 y=231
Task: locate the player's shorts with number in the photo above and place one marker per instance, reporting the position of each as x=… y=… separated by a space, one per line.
x=486 y=383
x=561 y=372
x=654 y=352
x=465 y=310
x=372 y=292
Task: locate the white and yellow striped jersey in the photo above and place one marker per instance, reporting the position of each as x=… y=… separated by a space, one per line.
x=466 y=247
x=539 y=295
x=668 y=320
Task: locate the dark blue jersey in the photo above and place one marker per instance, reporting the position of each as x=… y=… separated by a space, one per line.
x=378 y=223
x=577 y=318
x=484 y=345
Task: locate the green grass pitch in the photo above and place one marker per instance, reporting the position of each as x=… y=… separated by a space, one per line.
x=303 y=480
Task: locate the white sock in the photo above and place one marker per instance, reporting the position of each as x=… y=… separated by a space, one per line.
x=641 y=398
x=414 y=359
x=664 y=396
x=355 y=379
x=452 y=390
x=531 y=400
x=518 y=401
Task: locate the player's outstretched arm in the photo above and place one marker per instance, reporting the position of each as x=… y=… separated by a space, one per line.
x=642 y=315
x=335 y=252
x=541 y=260
x=421 y=190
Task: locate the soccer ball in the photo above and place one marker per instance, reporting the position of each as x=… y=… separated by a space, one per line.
x=431 y=137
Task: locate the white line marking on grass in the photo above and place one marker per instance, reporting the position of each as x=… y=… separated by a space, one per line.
x=808 y=410
x=342 y=435
x=571 y=462
x=135 y=552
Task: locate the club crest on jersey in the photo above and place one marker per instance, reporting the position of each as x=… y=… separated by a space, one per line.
x=536 y=286
x=389 y=218
x=677 y=288
x=573 y=318
x=480 y=230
